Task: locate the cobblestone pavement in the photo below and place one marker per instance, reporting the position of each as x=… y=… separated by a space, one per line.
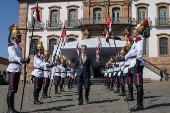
x=156 y=100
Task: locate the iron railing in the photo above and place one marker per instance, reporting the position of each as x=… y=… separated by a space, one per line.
x=36 y=25
x=50 y=24
x=155 y=69
x=162 y=21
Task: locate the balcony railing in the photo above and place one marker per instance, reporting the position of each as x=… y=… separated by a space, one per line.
x=36 y=25
x=103 y=20
x=72 y=23
x=139 y=21
x=162 y=21
x=50 y=24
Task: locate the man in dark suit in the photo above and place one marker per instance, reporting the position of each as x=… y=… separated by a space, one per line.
x=84 y=67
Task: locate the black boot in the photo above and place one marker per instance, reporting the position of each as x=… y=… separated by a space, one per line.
x=117 y=88
x=69 y=87
x=139 y=105
x=45 y=90
x=122 y=90
x=36 y=95
x=87 y=95
x=61 y=88
x=130 y=95
x=111 y=86
x=56 y=90
x=108 y=85
x=10 y=103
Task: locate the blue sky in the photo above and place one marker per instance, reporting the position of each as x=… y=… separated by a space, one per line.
x=9 y=10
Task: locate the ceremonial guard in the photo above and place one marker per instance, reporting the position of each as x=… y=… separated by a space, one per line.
x=117 y=74
x=46 y=73
x=110 y=75
x=69 y=70
x=130 y=97
x=56 y=73
x=14 y=68
x=38 y=72
x=124 y=68
x=141 y=30
x=63 y=74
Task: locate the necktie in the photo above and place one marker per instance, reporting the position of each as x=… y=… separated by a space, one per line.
x=83 y=58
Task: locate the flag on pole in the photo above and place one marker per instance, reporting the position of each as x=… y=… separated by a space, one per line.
x=99 y=44
x=105 y=6
x=97 y=55
x=109 y=23
x=64 y=35
x=106 y=35
x=36 y=14
x=78 y=49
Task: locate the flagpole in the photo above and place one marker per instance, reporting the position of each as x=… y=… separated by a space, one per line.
x=60 y=43
x=25 y=65
x=103 y=52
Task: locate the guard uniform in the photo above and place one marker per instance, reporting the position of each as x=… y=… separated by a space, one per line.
x=69 y=76
x=46 y=78
x=57 y=77
x=63 y=76
x=39 y=76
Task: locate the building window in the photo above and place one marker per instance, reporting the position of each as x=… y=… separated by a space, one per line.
x=33 y=46
x=71 y=40
x=52 y=42
x=116 y=15
x=54 y=18
x=72 y=17
x=141 y=14
x=163 y=44
x=97 y=14
x=162 y=15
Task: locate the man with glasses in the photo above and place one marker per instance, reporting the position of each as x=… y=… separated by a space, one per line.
x=84 y=67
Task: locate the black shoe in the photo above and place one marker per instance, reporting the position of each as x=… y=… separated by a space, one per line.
x=87 y=101
x=121 y=94
x=111 y=89
x=45 y=96
x=80 y=103
x=57 y=92
x=37 y=102
x=12 y=111
x=137 y=107
x=129 y=99
x=117 y=91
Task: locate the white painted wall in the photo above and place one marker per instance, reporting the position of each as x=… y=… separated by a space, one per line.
x=147 y=73
x=153 y=42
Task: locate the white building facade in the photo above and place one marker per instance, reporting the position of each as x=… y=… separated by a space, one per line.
x=85 y=19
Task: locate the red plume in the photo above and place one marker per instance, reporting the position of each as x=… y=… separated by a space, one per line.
x=145 y=23
x=124 y=48
x=130 y=39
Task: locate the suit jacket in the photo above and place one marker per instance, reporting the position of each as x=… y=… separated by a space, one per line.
x=87 y=67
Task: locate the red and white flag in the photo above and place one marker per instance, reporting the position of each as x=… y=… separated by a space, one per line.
x=99 y=44
x=109 y=24
x=64 y=35
x=36 y=14
x=97 y=55
x=106 y=35
x=78 y=49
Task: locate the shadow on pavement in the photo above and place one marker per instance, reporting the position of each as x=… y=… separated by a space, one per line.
x=102 y=101
x=59 y=100
x=157 y=105
x=59 y=108
x=151 y=97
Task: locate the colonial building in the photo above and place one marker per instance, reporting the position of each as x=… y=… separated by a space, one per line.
x=85 y=19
